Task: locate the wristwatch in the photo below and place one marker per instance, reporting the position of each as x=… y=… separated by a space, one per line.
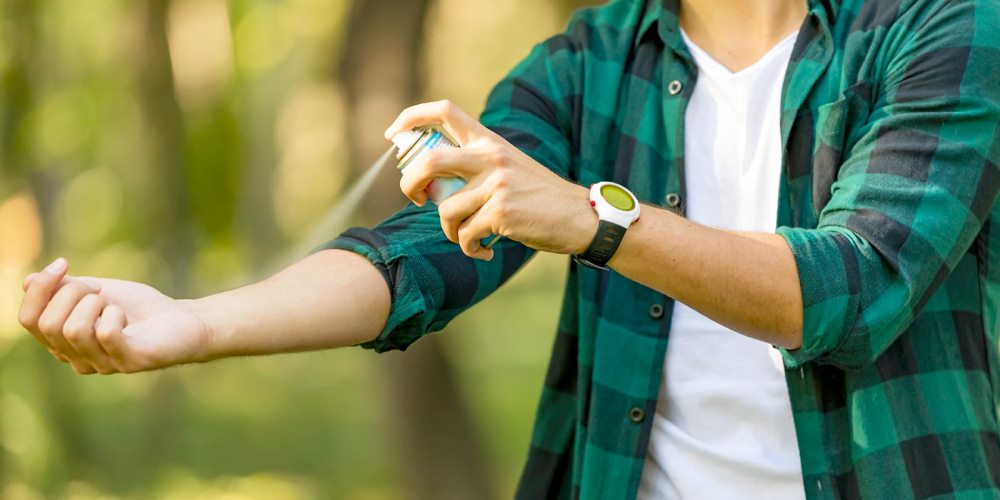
x=617 y=209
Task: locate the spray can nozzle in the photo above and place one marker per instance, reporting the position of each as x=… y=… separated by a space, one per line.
x=405 y=140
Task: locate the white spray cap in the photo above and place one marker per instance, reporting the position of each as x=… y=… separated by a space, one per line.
x=405 y=140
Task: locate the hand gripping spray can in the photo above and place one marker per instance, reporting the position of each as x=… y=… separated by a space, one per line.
x=411 y=144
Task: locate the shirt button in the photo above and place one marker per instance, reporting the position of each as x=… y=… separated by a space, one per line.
x=674 y=87
x=636 y=414
x=673 y=200
x=656 y=311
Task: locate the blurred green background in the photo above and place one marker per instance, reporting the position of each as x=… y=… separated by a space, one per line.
x=193 y=145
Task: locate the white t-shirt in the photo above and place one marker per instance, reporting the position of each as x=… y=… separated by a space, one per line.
x=723 y=424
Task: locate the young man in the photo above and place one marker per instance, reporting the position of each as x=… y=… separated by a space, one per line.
x=828 y=187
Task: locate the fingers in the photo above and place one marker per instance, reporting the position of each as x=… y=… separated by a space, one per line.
x=37 y=294
x=476 y=228
x=444 y=162
x=110 y=334
x=459 y=124
x=459 y=207
x=39 y=288
x=53 y=320
x=79 y=331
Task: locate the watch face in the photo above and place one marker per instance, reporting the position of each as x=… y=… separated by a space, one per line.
x=617 y=197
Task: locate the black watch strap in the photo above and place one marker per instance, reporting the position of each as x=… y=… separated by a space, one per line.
x=603 y=246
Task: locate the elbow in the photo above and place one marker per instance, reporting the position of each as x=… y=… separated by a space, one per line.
x=860 y=347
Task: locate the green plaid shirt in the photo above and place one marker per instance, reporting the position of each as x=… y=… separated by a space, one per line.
x=889 y=122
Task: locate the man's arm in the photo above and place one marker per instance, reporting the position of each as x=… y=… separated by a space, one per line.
x=415 y=281
x=745 y=281
x=333 y=298
x=330 y=299
x=910 y=197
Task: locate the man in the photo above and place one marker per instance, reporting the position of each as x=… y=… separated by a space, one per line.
x=837 y=163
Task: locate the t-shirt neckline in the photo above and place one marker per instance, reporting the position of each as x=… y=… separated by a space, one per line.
x=703 y=59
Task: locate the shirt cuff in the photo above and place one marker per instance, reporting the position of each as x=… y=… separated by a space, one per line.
x=828 y=276
x=406 y=318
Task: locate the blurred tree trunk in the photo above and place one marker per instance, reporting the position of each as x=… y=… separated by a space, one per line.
x=15 y=101
x=55 y=397
x=439 y=454
x=166 y=232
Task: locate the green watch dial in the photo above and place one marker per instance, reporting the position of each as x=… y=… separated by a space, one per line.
x=617 y=197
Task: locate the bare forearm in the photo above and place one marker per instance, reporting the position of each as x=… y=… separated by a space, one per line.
x=333 y=298
x=745 y=281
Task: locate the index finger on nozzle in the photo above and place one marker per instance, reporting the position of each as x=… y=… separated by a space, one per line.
x=458 y=123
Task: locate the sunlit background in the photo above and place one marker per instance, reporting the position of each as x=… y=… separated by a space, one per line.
x=192 y=145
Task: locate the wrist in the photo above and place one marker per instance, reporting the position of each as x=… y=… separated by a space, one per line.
x=210 y=320
x=616 y=209
x=584 y=221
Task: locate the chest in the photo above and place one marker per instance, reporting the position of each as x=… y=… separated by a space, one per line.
x=636 y=128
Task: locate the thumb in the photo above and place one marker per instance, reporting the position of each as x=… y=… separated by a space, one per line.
x=56 y=271
x=91 y=282
x=27 y=281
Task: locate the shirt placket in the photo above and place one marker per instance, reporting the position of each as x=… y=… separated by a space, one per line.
x=805 y=70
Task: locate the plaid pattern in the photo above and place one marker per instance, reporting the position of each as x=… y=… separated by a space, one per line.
x=890 y=128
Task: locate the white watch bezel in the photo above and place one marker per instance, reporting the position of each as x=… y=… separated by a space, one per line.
x=605 y=211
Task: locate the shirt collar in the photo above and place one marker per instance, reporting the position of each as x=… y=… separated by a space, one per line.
x=663 y=15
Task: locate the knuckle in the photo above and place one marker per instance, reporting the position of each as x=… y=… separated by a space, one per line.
x=408 y=187
x=104 y=333
x=501 y=202
x=499 y=157
x=500 y=180
x=48 y=326
x=446 y=211
x=502 y=211
x=466 y=244
x=432 y=158
x=73 y=334
x=446 y=106
x=27 y=320
x=77 y=332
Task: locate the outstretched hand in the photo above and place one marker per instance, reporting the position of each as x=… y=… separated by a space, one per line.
x=109 y=326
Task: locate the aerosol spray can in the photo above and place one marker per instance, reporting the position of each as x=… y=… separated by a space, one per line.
x=411 y=144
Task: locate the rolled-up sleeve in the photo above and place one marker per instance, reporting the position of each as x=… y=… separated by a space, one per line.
x=430 y=279
x=911 y=195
